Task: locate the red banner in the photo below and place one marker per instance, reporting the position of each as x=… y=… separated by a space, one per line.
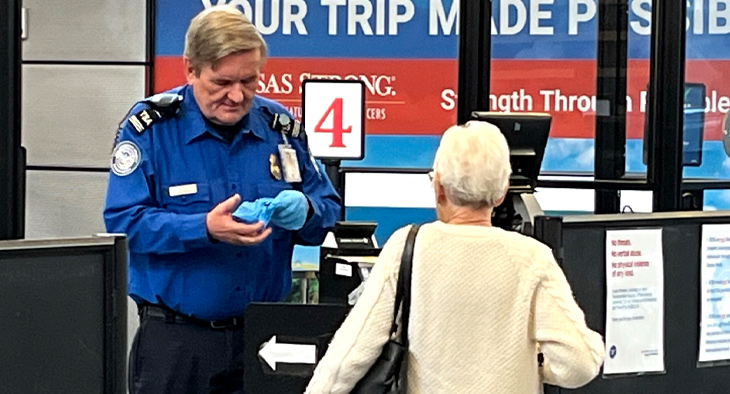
x=419 y=96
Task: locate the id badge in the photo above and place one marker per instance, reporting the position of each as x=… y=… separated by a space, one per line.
x=289 y=164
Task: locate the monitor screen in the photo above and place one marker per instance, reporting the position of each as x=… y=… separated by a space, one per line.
x=63 y=316
x=392 y=198
x=693 y=125
x=527 y=135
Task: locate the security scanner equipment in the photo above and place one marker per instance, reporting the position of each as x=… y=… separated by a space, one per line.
x=527 y=135
x=346 y=260
x=283 y=343
x=355 y=235
x=693 y=126
x=63 y=315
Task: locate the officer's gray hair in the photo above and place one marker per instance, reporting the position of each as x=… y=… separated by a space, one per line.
x=217 y=32
x=472 y=163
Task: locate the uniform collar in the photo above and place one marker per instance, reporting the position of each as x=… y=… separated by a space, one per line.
x=195 y=124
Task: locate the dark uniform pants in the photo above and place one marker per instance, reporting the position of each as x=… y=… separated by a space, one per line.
x=172 y=356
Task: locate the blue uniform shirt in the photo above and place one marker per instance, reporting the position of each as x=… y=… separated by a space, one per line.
x=166 y=179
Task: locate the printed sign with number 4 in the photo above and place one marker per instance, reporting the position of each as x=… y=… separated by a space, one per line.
x=333 y=115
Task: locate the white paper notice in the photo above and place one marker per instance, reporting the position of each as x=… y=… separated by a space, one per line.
x=715 y=293
x=634 y=302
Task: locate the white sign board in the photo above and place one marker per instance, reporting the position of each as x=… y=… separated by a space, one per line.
x=715 y=293
x=333 y=114
x=634 y=302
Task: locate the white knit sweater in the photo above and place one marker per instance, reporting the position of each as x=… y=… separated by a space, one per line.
x=483 y=301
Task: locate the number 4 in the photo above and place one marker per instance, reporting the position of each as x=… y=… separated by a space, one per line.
x=337 y=127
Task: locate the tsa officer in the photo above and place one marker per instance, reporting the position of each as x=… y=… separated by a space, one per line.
x=183 y=162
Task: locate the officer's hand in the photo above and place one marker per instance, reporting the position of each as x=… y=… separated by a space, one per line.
x=222 y=227
x=291 y=210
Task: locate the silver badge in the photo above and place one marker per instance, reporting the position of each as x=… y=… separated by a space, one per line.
x=125 y=158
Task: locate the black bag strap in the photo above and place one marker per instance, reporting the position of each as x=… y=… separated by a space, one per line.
x=403 y=289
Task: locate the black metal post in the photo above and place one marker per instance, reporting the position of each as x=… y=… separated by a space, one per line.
x=666 y=102
x=475 y=43
x=610 y=148
x=332 y=168
x=12 y=162
x=150 y=47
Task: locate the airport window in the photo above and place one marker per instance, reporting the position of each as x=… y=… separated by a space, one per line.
x=544 y=60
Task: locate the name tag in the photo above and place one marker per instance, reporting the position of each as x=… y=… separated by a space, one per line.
x=183 y=190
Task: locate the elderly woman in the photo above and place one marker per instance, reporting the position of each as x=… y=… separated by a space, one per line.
x=485 y=301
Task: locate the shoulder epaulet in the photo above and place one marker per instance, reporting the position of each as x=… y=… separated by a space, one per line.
x=159 y=106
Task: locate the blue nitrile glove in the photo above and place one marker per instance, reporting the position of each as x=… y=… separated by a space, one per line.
x=290 y=210
x=255 y=211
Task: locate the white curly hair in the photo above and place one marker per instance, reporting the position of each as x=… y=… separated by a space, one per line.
x=473 y=164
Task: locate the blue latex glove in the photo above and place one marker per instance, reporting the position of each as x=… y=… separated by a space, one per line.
x=290 y=210
x=255 y=211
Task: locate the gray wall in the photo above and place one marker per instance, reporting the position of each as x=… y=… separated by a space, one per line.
x=84 y=65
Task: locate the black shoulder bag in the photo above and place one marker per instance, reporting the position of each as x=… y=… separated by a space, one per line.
x=388 y=374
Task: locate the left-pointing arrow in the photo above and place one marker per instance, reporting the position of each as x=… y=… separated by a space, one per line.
x=287 y=353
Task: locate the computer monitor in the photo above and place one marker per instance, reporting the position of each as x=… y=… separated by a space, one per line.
x=527 y=134
x=63 y=316
x=693 y=126
x=390 y=197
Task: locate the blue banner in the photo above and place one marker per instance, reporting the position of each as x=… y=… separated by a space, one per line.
x=428 y=29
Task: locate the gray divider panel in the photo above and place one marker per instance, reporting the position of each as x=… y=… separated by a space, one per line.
x=64 y=204
x=71 y=113
x=85 y=30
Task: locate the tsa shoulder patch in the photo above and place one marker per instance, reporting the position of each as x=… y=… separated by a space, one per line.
x=143 y=119
x=125 y=158
x=160 y=106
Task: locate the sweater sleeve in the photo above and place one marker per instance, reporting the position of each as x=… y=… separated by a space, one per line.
x=359 y=341
x=572 y=352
